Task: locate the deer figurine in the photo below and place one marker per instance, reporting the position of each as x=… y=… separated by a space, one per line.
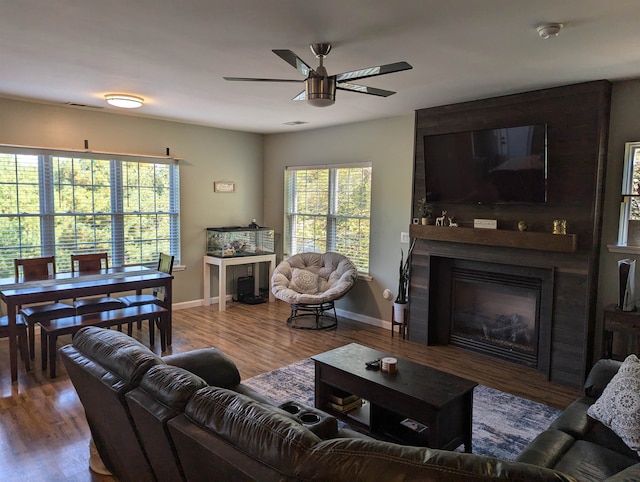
x=440 y=219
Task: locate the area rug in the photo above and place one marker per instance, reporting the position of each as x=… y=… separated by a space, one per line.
x=503 y=424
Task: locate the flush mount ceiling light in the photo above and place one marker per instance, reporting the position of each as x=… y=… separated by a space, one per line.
x=124 y=101
x=549 y=30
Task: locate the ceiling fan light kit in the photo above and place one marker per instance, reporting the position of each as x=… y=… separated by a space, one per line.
x=124 y=101
x=320 y=91
x=319 y=87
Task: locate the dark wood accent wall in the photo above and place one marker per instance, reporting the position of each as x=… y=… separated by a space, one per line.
x=577 y=119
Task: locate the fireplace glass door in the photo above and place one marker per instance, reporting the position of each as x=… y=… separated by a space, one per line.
x=496 y=314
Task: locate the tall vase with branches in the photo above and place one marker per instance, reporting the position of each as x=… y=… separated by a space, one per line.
x=404 y=275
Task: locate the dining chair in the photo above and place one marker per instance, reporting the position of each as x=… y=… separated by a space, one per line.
x=33 y=269
x=165 y=265
x=21 y=330
x=93 y=263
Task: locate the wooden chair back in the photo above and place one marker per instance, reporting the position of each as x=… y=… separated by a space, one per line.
x=35 y=268
x=165 y=263
x=86 y=263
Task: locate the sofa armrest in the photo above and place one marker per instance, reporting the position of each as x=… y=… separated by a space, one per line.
x=210 y=364
x=322 y=424
x=599 y=376
x=630 y=474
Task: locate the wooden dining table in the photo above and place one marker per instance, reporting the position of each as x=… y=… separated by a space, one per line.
x=62 y=286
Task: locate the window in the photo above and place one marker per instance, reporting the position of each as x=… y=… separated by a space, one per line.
x=328 y=209
x=629 y=229
x=57 y=203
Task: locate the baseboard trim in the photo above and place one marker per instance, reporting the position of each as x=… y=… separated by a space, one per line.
x=196 y=303
x=347 y=314
x=364 y=319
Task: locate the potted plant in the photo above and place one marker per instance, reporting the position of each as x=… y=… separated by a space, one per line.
x=424 y=210
x=402 y=299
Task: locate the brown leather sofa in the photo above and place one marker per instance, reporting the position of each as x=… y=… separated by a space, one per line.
x=581 y=446
x=189 y=417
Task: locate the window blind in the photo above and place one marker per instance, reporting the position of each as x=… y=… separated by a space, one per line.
x=60 y=203
x=328 y=209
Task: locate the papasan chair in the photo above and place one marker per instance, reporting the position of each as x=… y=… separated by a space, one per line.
x=310 y=283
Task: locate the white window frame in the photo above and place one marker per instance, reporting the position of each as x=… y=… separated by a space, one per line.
x=629 y=191
x=332 y=217
x=46 y=214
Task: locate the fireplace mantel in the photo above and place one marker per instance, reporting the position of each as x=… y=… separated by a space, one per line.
x=565 y=243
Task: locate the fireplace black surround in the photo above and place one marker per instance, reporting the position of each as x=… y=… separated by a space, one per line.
x=485 y=306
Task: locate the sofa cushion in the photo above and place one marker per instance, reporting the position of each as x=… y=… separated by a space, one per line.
x=619 y=406
x=171 y=386
x=574 y=419
x=605 y=437
x=210 y=364
x=547 y=448
x=587 y=461
x=116 y=352
x=575 y=422
x=263 y=432
x=346 y=460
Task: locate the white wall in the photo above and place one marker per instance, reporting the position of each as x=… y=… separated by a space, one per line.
x=209 y=154
x=213 y=154
x=388 y=145
x=624 y=127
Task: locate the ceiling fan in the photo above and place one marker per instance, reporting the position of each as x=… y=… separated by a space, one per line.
x=320 y=88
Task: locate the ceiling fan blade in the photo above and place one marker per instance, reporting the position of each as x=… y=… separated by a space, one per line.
x=301 y=96
x=373 y=71
x=363 y=89
x=251 y=79
x=296 y=62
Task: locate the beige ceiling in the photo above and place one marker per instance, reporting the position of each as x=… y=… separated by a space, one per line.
x=175 y=53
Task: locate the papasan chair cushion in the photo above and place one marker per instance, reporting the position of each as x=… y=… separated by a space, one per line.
x=312 y=282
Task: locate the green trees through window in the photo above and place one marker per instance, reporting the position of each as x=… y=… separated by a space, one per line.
x=63 y=204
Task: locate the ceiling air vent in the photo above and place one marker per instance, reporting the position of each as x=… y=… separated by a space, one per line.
x=84 y=106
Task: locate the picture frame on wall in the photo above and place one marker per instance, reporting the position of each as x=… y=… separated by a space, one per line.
x=224 y=186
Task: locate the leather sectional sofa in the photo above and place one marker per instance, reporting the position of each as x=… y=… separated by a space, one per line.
x=189 y=417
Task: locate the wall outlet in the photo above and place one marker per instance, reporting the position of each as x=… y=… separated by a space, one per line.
x=249 y=270
x=404 y=237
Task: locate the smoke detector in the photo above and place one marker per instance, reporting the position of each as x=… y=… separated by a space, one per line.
x=549 y=30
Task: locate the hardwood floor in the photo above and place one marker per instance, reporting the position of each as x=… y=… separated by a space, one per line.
x=44 y=435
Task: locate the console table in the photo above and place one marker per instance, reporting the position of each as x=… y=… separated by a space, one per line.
x=222 y=264
x=624 y=322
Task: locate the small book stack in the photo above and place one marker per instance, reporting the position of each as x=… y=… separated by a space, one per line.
x=343 y=401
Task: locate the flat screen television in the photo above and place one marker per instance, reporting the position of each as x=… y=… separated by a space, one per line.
x=493 y=166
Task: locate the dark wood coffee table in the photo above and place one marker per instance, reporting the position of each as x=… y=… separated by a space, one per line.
x=417 y=405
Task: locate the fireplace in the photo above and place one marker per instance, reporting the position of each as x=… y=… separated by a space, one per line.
x=500 y=310
x=497 y=314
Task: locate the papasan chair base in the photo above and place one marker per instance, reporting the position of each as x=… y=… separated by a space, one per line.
x=313 y=316
x=310 y=283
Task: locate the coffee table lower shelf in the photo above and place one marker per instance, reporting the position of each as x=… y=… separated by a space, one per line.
x=387 y=425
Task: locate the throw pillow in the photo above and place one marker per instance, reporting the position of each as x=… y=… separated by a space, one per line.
x=304 y=281
x=619 y=405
